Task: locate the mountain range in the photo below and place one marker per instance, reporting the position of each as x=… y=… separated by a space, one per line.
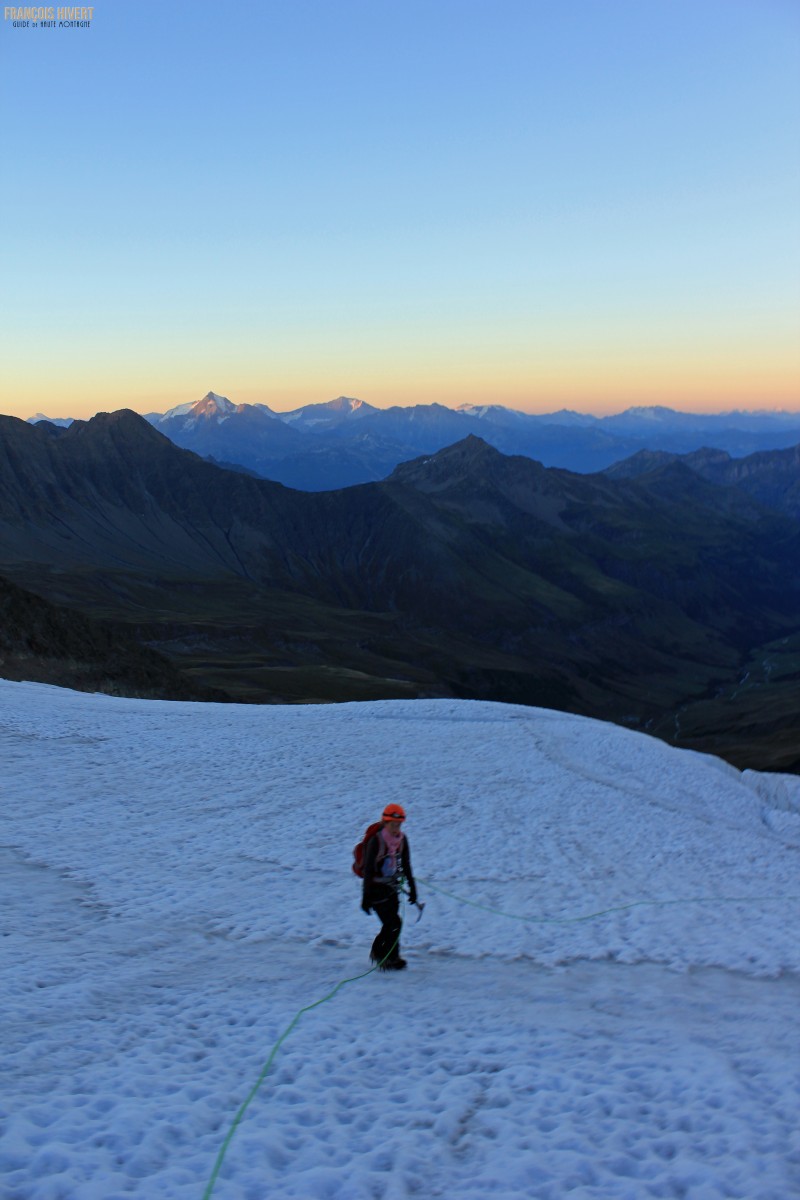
x=664 y=601
x=772 y=478
x=345 y=441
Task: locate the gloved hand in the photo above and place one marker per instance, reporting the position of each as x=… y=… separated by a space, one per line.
x=412 y=894
x=365 y=907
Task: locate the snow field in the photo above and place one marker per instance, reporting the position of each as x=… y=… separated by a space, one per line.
x=175 y=886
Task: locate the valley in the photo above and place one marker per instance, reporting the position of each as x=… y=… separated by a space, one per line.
x=643 y=600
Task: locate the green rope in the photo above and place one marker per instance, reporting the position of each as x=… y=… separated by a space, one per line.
x=605 y=911
x=474 y=904
x=265 y=1069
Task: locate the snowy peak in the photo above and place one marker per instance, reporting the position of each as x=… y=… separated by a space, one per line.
x=329 y=414
x=212 y=406
x=212 y=409
x=492 y=412
x=480 y=410
x=180 y=410
x=346 y=405
x=655 y=412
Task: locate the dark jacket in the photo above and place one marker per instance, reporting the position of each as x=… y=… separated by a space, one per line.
x=375 y=884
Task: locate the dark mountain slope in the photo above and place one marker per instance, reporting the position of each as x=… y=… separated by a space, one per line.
x=114 y=491
x=46 y=644
x=464 y=573
x=679 y=539
x=770 y=478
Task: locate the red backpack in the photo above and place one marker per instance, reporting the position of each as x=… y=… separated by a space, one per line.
x=360 y=850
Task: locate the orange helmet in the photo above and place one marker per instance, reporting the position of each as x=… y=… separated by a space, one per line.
x=394 y=812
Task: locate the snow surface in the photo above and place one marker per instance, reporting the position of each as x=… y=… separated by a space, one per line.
x=176 y=886
x=180 y=410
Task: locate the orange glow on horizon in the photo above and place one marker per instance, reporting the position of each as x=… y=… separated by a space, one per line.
x=708 y=396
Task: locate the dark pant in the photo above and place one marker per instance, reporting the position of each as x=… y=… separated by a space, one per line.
x=386 y=903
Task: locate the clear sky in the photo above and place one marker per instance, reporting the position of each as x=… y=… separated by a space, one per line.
x=580 y=203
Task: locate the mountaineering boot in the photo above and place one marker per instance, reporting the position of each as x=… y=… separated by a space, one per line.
x=389 y=964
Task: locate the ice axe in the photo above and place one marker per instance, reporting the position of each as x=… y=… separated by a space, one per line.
x=420 y=907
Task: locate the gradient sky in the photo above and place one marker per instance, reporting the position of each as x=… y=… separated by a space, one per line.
x=578 y=203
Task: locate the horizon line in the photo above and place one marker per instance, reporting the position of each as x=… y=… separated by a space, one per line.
x=144 y=410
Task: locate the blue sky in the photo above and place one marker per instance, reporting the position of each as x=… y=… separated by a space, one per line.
x=584 y=204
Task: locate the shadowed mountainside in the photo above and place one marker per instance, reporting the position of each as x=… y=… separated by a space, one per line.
x=46 y=644
x=466 y=573
x=772 y=477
